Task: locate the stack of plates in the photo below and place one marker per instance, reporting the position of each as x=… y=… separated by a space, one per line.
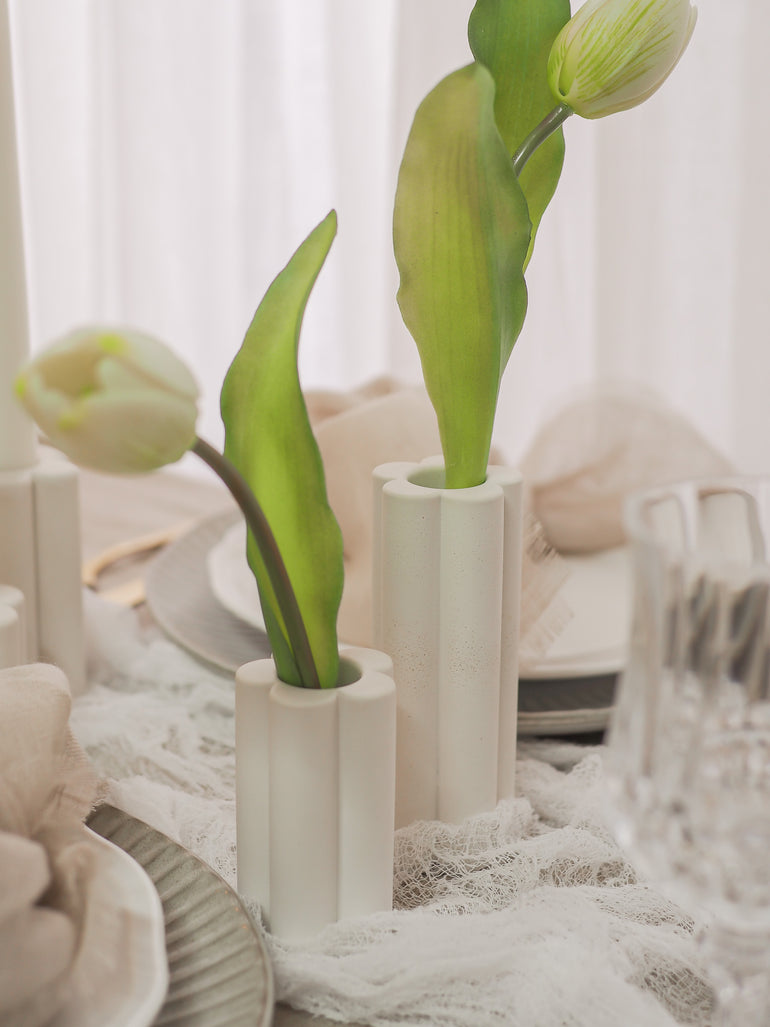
x=571 y=689
x=201 y=591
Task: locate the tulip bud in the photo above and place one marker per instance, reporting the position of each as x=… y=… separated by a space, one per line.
x=614 y=54
x=115 y=401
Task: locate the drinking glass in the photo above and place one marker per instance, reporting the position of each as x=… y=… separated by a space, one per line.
x=688 y=760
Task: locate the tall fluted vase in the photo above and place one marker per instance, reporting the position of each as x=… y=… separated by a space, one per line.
x=447 y=590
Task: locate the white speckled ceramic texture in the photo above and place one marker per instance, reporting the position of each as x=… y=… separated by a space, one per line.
x=447 y=586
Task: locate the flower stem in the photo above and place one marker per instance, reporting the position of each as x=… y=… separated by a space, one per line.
x=271 y=557
x=539 y=134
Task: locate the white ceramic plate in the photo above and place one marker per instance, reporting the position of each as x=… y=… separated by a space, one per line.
x=597 y=591
x=593 y=643
x=122 y=980
x=180 y=598
x=231 y=579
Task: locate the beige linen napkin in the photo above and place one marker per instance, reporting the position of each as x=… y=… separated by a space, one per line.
x=599 y=448
x=46 y=789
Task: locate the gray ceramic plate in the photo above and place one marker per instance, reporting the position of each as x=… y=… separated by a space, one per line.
x=182 y=601
x=565 y=706
x=219 y=971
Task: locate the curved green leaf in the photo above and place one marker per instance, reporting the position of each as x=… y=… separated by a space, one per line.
x=513 y=39
x=461 y=232
x=269 y=439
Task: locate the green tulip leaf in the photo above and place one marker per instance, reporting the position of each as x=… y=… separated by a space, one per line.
x=269 y=439
x=513 y=39
x=461 y=231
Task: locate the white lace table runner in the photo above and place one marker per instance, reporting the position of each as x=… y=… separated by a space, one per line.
x=529 y=915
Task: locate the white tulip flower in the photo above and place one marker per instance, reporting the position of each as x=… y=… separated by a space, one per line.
x=614 y=54
x=112 y=400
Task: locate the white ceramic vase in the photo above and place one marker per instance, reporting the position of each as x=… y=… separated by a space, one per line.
x=446 y=595
x=315 y=793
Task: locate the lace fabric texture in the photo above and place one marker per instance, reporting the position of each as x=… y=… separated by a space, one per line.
x=529 y=915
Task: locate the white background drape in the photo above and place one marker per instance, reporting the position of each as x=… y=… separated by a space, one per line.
x=175 y=152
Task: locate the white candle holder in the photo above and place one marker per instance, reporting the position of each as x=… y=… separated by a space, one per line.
x=41 y=605
x=12 y=627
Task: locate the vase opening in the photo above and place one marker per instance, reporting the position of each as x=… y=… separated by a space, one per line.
x=430 y=477
x=349 y=672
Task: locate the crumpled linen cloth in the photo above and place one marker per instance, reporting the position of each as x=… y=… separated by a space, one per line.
x=598 y=448
x=528 y=916
x=47 y=787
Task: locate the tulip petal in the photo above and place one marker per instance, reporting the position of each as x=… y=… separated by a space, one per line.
x=46 y=406
x=110 y=400
x=614 y=54
x=70 y=365
x=158 y=364
x=116 y=375
x=655 y=56
x=269 y=439
x=461 y=233
x=513 y=41
x=128 y=433
x=74 y=361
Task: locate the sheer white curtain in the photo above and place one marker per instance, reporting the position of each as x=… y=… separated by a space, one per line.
x=175 y=152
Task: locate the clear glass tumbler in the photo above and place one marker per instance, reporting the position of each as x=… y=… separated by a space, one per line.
x=689 y=744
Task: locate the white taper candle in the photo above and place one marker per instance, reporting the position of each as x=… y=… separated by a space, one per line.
x=17 y=433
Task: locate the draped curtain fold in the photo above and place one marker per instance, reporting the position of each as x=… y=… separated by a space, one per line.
x=175 y=152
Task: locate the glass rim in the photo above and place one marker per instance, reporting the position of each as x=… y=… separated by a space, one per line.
x=688 y=493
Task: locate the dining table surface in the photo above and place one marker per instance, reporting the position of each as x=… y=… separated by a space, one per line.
x=126 y=522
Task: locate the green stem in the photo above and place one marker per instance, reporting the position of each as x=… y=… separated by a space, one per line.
x=539 y=134
x=271 y=557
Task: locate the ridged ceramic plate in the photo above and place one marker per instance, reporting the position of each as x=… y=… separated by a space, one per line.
x=121 y=975
x=219 y=971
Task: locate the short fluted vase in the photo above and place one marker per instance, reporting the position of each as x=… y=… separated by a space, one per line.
x=315 y=793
